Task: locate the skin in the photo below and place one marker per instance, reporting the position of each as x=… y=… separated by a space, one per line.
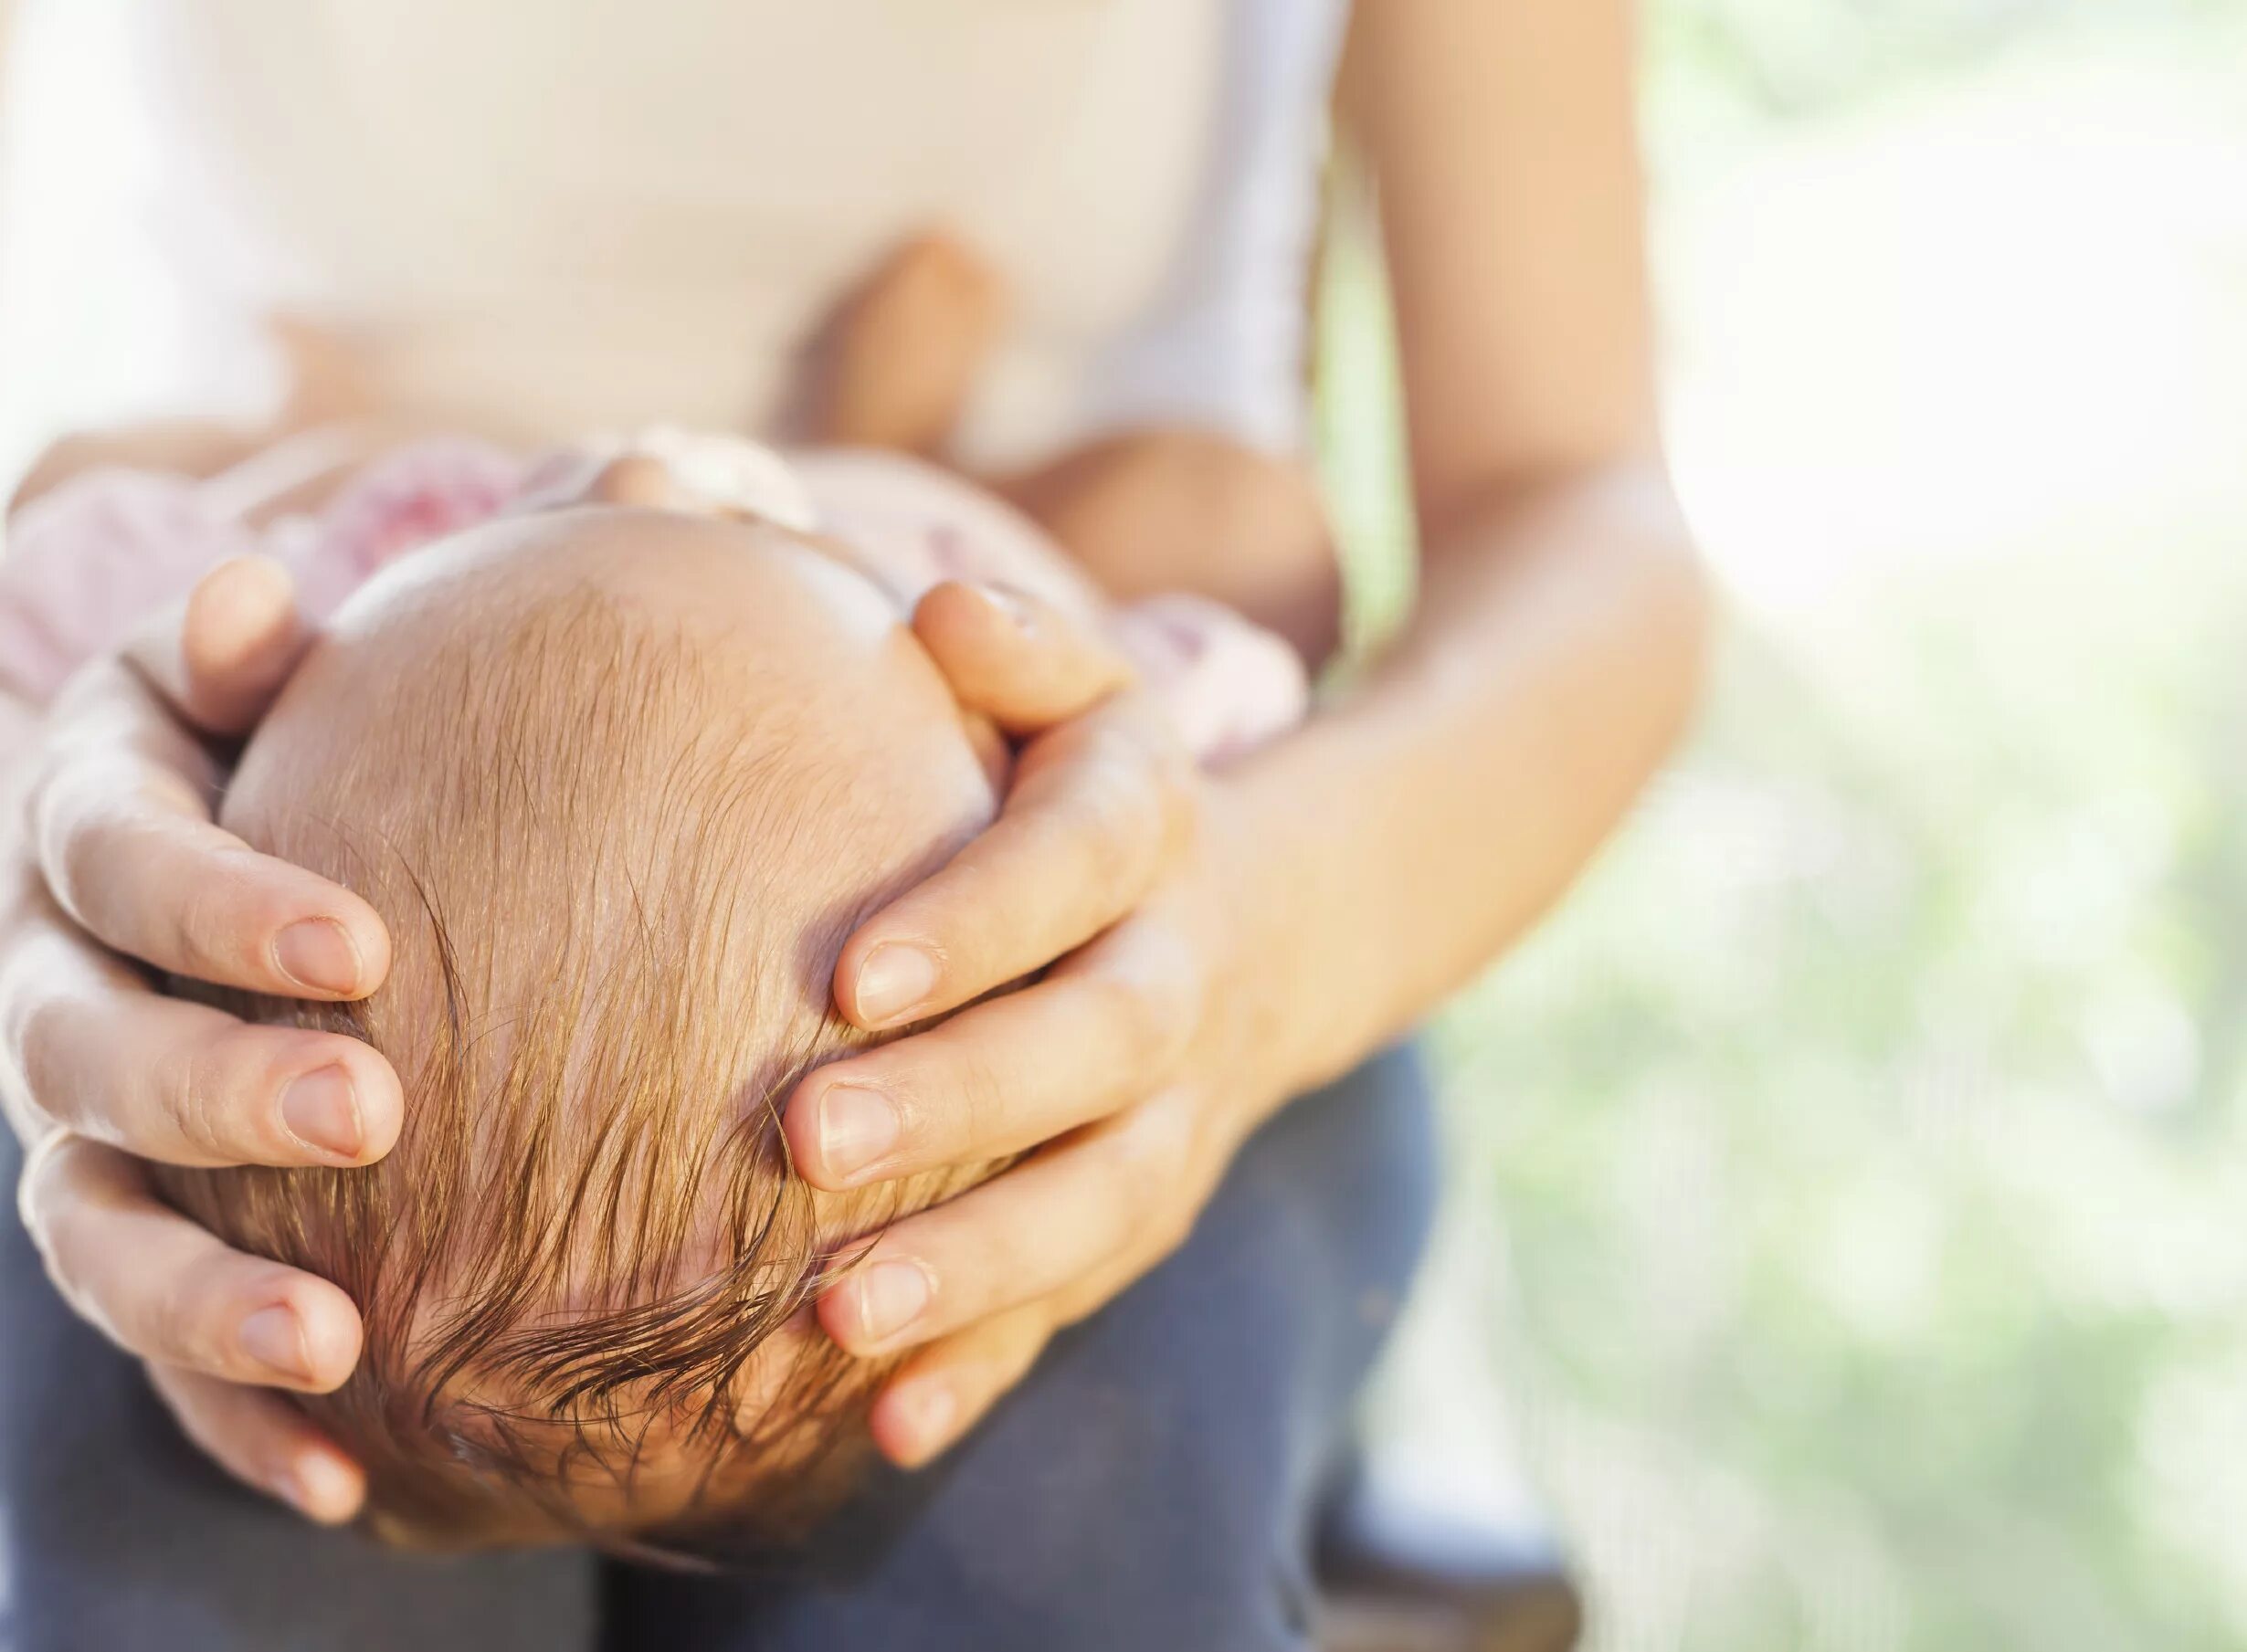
x=813 y=668
x=800 y=635
x=1222 y=944
x=896 y=366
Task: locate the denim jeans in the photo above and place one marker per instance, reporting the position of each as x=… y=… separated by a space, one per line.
x=1152 y=1485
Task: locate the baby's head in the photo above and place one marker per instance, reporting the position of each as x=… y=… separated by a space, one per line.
x=620 y=781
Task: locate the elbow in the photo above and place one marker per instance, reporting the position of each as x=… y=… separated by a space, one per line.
x=1659 y=586
x=1674 y=602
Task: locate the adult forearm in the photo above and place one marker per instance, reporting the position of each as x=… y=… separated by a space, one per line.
x=1418 y=828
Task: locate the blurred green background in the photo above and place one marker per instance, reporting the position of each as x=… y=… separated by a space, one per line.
x=1850 y=1199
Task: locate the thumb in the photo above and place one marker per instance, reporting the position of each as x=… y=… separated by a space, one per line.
x=221 y=660
x=1023 y=663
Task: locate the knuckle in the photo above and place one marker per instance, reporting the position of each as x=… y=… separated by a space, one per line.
x=944 y=1106
x=976 y=1106
x=178 y=1330
x=1066 y=1308
x=1020 y=1339
x=77 y=853
x=202 y=1088
x=1168 y=1233
x=53 y=1209
x=34 y=1025
x=176 y=775
x=1008 y=1264
x=1116 y=823
x=1088 y=1295
x=39 y=1196
x=45 y=809
x=1142 y=1181
x=1139 y=1020
x=1040 y=1318
x=967 y=1266
x=1172 y=979
x=1154 y=1150
x=1154 y=748
x=201 y=936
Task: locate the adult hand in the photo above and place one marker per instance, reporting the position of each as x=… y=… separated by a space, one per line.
x=117 y=860
x=1134 y=1069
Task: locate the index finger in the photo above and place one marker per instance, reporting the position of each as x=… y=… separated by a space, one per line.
x=218 y=663
x=162 y=1287
x=1098 y=807
x=121 y=826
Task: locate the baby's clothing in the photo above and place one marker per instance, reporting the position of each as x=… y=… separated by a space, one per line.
x=86 y=564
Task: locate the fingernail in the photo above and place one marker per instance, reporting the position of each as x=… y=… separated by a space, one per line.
x=1015 y=610
x=322 y=1109
x=857 y=1126
x=317 y=952
x=891 y=1297
x=927 y=1410
x=892 y=980
x=275 y=1338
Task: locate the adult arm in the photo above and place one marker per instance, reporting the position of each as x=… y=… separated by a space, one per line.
x=1554 y=649
x=1332 y=890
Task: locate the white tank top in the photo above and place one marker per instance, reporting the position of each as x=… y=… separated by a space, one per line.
x=555 y=216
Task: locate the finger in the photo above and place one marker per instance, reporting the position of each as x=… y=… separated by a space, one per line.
x=125 y=840
x=1081 y=1208
x=1098 y=808
x=265 y=1442
x=946 y=1388
x=1106 y=1029
x=220 y=663
x=105 y=1056
x=1023 y=663
x=163 y=1288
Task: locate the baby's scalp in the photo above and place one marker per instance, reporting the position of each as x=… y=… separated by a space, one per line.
x=620 y=781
